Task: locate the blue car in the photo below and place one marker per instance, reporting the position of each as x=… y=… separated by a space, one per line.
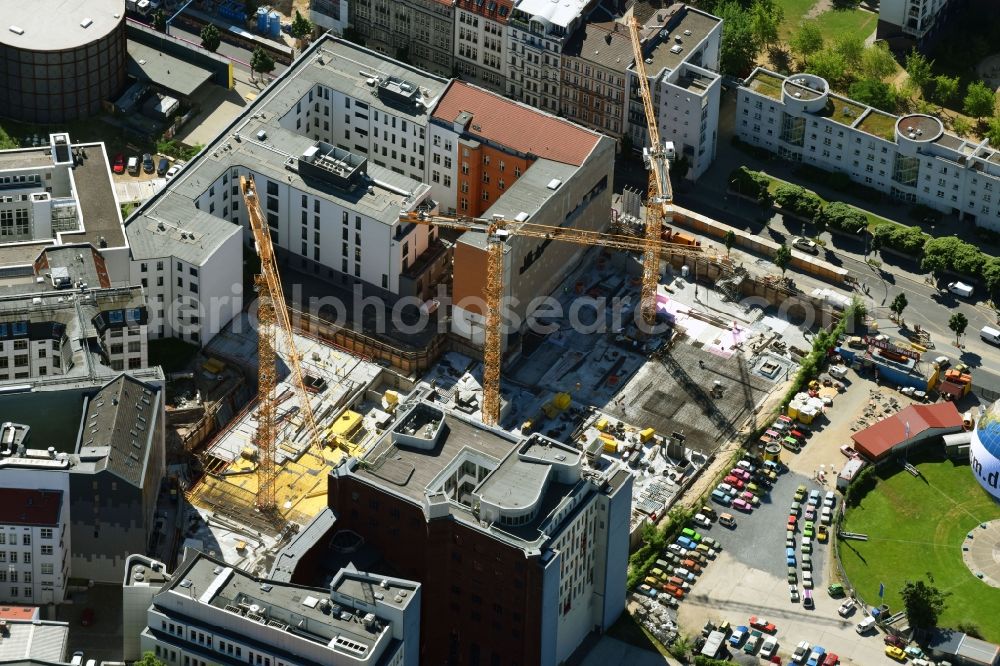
x=722 y=498
x=816 y=656
x=685 y=542
x=739 y=635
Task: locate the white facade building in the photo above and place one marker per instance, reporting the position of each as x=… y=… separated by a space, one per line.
x=481 y=42
x=911 y=157
x=915 y=19
x=34 y=538
x=329 y=15
x=681 y=46
x=208 y=612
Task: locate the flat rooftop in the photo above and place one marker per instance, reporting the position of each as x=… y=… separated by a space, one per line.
x=765 y=83
x=148 y=64
x=801 y=91
x=879 y=124
x=36 y=641
x=561 y=14
x=689 y=24
x=57 y=25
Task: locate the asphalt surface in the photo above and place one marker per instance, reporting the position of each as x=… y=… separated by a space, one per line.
x=240 y=56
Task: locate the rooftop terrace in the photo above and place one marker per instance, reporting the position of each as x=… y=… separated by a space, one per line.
x=879 y=124
x=766 y=83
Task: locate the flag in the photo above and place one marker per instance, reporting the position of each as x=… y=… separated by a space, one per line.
x=907 y=430
x=881 y=590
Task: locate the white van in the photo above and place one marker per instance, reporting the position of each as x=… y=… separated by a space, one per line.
x=960 y=289
x=865 y=625
x=77 y=659
x=990 y=334
x=133 y=166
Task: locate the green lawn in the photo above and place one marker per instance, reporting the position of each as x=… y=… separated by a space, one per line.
x=916 y=525
x=833 y=23
x=873 y=219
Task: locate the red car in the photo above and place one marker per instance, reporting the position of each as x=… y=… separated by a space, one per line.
x=734 y=482
x=119 y=165
x=893 y=640
x=831 y=659
x=849 y=451
x=762 y=624
x=87 y=617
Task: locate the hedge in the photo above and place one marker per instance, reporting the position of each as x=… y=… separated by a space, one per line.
x=813 y=362
x=797 y=200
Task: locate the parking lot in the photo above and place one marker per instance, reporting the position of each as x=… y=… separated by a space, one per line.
x=102 y=639
x=749 y=578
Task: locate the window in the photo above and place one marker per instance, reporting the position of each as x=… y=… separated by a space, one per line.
x=46 y=550
x=46 y=532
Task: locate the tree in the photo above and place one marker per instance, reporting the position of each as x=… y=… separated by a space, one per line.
x=919 y=69
x=961 y=126
x=160 y=20
x=730 y=241
x=898 y=304
x=739 y=47
x=877 y=62
x=850 y=48
x=957 y=323
x=875 y=93
x=261 y=61
x=993 y=130
x=765 y=18
x=828 y=64
x=752 y=184
x=980 y=100
x=782 y=257
x=991 y=275
x=797 y=200
x=923 y=602
x=149 y=659
x=210 y=37
x=945 y=89
x=949 y=253
x=842 y=217
x=301 y=26
x=808 y=40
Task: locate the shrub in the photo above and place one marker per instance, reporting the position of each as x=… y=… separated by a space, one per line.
x=798 y=200
x=862 y=484
x=842 y=217
x=908 y=240
x=750 y=183
x=949 y=253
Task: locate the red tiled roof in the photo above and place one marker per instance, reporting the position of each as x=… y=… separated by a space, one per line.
x=877 y=440
x=496 y=10
x=515 y=125
x=28 y=506
x=18 y=612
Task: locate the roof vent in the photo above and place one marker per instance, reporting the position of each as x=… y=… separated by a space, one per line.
x=86 y=23
x=261 y=135
x=16 y=30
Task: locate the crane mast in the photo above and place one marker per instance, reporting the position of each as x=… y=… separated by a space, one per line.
x=272 y=315
x=659 y=193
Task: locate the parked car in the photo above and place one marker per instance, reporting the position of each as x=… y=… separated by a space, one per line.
x=691 y=534
x=790 y=557
x=701 y=520
x=740 y=473
x=822 y=534
x=738 y=636
x=750 y=497
x=807 y=600
x=831 y=659
x=742 y=505
x=960 y=289
x=728 y=520
x=762 y=624
x=826 y=516
x=735 y=482
x=793 y=594
x=705 y=550
x=796 y=508
x=807 y=579
x=723 y=498
x=87 y=617
x=674 y=591
x=133 y=166
x=119 y=164
x=726 y=488
x=807 y=530
x=800 y=493
x=147 y=163
x=846 y=609
x=814 y=497
x=162 y=166
x=709 y=512
x=753 y=642
x=678 y=547
x=807 y=564
x=805 y=245
x=816 y=656
x=172 y=171
x=807 y=548
x=711 y=543
x=830 y=499
x=810 y=514
x=849 y=451
x=769 y=647
x=801 y=651
x=892 y=639
x=835 y=590
x=894 y=652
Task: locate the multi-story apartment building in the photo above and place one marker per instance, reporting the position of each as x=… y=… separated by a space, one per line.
x=481 y=42
x=908 y=23
x=330 y=15
x=492 y=156
x=336 y=147
x=34 y=544
x=537 y=32
x=909 y=157
x=105 y=459
x=208 y=612
x=594 y=65
x=518 y=542
x=416 y=31
x=681 y=47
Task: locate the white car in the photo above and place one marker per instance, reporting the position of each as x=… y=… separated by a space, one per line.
x=805 y=245
x=769 y=648
x=793 y=594
x=801 y=651
x=830 y=499
x=846 y=609
x=807 y=580
x=701 y=520
x=172 y=171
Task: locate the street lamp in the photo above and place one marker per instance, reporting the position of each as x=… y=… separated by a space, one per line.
x=863 y=232
x=735 y=182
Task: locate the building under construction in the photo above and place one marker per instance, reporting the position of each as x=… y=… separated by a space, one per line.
x=347 y=407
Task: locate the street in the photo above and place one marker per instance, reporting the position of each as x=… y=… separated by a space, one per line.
x=240 y=56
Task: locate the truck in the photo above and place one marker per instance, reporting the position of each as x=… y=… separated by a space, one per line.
x=990 y=334
x=713 y=644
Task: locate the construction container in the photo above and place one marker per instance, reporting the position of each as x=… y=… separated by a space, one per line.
x=646 y=434
x=610 y=446
x=793 y=409
x=391 y=398
x=262 y=13
x=807 y=415
x=772 y=452
x=602 y=425
x=274 y=25
x=562 y=401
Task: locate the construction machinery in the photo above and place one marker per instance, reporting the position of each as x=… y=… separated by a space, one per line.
x=272 y=314
x=497 y=230
x=660 y=194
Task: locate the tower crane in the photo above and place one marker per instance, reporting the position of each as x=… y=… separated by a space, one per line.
x=272 y=315
x=660 y=195
x=497 y=230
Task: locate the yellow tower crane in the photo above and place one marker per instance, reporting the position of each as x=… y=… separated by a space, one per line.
x=660 y=194
x=272 y=314
x=497 y=230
